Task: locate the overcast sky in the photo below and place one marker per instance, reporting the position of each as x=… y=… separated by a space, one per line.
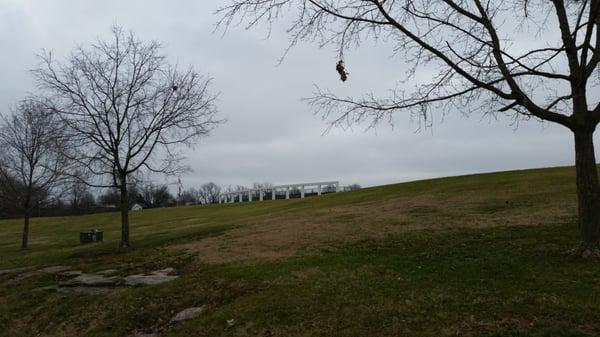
x=271 y=135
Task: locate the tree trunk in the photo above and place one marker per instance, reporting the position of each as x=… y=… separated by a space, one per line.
x=124 y=214
x=588 y=194
x=25 y=240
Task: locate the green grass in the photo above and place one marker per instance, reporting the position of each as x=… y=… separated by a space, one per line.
x=479 y=255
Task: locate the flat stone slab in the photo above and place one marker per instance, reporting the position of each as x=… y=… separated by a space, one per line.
x=107 y=272
x=14 y=270
x=47 y=270
x=135 y=280
x=89 y=280
x=71 y=273
x=166 y=271
x=187 y=314
x=101 y=282
x=85 y=290
x=47 y=288
x=156 y=277
x=53 y=269
x=77 y=289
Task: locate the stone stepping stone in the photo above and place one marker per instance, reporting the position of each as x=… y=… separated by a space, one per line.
x=48 y=270
x=156 y=277
x=166 y=271
x=71 y=273
x=89 y=280
x=54 y=269
x=100 y=282
x=107 y=272
x=85 y=290
x=187 y=314
x=14 y=270
x=77 y=289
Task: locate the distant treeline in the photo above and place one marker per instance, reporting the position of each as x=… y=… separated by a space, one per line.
x=78 y=199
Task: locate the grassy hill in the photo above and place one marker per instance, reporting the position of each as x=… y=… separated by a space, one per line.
x=478 y=255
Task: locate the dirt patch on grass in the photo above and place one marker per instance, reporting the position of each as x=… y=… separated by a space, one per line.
x=309 y=232
x=268 y=239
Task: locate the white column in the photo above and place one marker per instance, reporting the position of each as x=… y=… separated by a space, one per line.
x=240 y=197
x=302 y=192
x=260 y=195
x=319 y=189
x=273 y=194
x=287 y=192
x=250 y=195
x=337 y=187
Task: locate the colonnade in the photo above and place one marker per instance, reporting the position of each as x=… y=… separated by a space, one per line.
x=321 y=187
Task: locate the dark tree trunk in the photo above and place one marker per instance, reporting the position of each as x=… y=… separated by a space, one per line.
x=26 y=216
x=124 y=214
x=588 y=194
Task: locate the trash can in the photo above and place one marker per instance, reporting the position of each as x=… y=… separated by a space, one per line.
x=93 y=235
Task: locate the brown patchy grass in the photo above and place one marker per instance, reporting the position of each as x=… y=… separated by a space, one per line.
x=301 y=233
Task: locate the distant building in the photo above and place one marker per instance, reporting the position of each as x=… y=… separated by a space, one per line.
x=137 y=207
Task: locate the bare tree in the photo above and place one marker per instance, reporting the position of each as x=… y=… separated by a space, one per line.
x=209 y=193
x=128 y=109
x=8 y=198
x=189 y=196
x=147 y=195
x=81 y=199
x=161 y=197
x=32 y=161
x=262 y=186
x=110 y=198
x=527 y=58
x=155 y=195
x=353 y=187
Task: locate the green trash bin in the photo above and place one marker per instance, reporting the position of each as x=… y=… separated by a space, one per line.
x=90 y=236
x=85 y=237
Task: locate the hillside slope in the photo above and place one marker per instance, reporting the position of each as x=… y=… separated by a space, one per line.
x=478 y=255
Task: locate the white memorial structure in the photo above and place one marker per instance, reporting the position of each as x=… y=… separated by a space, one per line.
x=288 y=191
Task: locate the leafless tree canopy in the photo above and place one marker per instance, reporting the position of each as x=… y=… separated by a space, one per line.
x=262 y=185
x=127 y=108
x=209 y=193
x=488 y=56
x=31 y=140
x=31 y=160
